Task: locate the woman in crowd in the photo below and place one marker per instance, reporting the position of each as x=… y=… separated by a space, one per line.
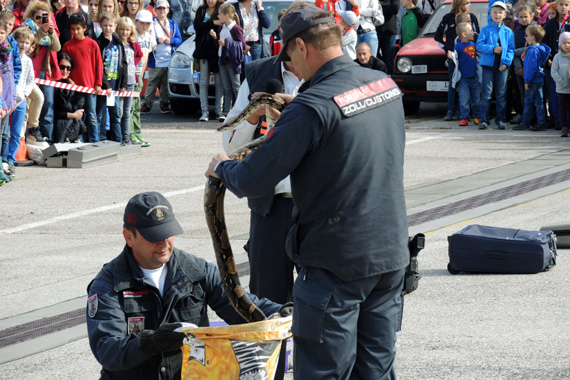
x=447 y=27
x=68 y=107
x=132 y=7
x=207 y=54
x=252 y=19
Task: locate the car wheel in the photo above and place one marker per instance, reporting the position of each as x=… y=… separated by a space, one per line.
x=185 y=106
x=411 y=107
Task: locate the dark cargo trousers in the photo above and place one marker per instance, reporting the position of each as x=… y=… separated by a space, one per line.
x=346 y=330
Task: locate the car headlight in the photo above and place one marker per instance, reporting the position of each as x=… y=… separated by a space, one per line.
x=404 y=65
x=180 y=61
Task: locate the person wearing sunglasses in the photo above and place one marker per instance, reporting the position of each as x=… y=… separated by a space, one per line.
x=72 y=10
x=41 y=21
x=68 y=106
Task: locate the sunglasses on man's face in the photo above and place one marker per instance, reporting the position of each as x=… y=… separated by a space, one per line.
x=64 y=67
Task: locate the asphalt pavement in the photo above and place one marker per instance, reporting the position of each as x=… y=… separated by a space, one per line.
x=58 y=226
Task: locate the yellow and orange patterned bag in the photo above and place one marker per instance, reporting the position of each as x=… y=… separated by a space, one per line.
x=238 y=352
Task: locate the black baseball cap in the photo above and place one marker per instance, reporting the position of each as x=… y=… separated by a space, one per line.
x=297 y=21
x=151 y=214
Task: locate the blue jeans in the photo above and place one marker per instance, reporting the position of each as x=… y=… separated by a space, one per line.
x=532 y=103
x=205 y=84
x=5 y=134
x=451 y=92
x=255 y=51
x=231 y=82
x=125 y=112
x=387 y=45
x=46 y=116
x=469 y=94
x=180 y=14
x=9 y=150
x=90 y=118
x=114 y=116
x=498 y=80
x=371 y=38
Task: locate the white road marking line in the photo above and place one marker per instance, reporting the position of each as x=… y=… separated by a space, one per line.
x=424 y=139
x=97 y=210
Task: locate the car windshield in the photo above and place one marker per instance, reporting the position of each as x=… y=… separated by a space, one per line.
x=478 y=9
x=272 y=9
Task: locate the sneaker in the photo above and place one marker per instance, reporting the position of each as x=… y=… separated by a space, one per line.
x=126 y=142
x=477 y=120
x=483 y=125
x=448 y=116
x=501 y=125
x=537 y=128
x=12 y=169
x=6 y=168
x=521 y=127
x=4 y=178
x=165 y=109
x=144 y=143
x=516 y=120
x=222 y=118
x=463 y=123
x=135 y=139
x=35 y=138
x=145 y=110
x=564 y=132
x=133 y=142
x=204 y=116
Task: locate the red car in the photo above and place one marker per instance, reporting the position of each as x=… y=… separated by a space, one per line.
x=420 y=69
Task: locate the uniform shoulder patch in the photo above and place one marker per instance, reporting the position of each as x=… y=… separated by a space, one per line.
x=367 y=97
x=92 y=305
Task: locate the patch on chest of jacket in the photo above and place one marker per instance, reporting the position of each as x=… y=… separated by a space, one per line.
x=135 y=325
x=367 y=97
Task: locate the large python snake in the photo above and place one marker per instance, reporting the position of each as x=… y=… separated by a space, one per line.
x=215 y=218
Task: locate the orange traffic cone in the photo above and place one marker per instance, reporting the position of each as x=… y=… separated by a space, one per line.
x=22 y=153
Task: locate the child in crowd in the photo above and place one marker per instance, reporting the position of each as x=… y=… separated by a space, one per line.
x=553 y=29
x=561 y=74
x=33 y=111
x=536 y=56
x=413 y=20
x=147 y=43
x=231 y=53
x=93 y=6
x=447 y=29
x=132 y=7
x=275 y=38
x=541 y=12
x=88 y=71
x=115 y=76
x=496 y=44
x=168 y=38
x=133 y=52
x=524 y=18
x=24 y=37
x=108 y=6
x=468 y=86
x=552 y=11
x=11 y=70
x=348 y=20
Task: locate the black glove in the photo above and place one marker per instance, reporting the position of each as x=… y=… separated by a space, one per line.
x=286 y=310
x=162 y=340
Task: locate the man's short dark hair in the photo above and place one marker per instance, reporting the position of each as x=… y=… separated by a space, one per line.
x=321 y=36
x=131 y=229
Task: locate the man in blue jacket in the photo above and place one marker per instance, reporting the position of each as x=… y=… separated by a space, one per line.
x=342 y=141
x=496 y=43
x=168 y=38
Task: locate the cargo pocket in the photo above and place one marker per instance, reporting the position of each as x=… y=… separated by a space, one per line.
x=311 y=301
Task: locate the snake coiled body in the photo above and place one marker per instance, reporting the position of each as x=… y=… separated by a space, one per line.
x=215 y=218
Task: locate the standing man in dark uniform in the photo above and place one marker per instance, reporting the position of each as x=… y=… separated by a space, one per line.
x=271 y=270
x=342 y=141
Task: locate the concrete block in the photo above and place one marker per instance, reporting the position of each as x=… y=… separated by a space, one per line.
x=60 y=148
x=56 y=162
x=129 y=150
x=103 y=152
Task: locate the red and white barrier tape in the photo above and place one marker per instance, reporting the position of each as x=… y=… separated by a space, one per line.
x=86 y=90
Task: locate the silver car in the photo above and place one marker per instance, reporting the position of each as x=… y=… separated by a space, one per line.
x=184 y=82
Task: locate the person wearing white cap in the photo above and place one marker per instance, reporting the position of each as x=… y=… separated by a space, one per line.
x=496 y=43
x=348 y=20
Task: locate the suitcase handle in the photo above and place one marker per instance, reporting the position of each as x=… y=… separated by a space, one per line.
x=496 y=255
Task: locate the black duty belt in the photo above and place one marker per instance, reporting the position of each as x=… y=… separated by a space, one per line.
x=363 y=31
x=251 y=43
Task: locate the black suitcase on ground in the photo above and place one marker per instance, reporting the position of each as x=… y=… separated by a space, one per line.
x=486 y=249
